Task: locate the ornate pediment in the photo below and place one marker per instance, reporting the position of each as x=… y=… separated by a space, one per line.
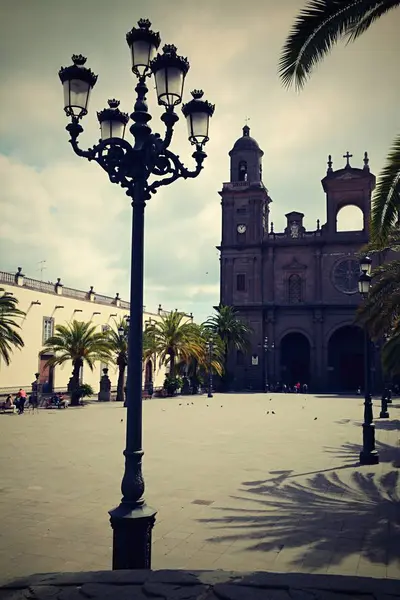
x=294 y=265
x=349 y=175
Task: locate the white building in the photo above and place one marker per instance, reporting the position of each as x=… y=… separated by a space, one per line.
x=47 y=305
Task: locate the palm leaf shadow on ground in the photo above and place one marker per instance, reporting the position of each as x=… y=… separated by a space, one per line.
x=325 y=517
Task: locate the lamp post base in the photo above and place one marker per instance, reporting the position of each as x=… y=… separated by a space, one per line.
x=209 y=395
x=132 y=529
x=369 y=454
x=384 y=414
x=369 y=458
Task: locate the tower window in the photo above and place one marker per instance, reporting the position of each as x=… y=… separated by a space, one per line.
x=241 y=282
x=294 y=289
x=243 y=170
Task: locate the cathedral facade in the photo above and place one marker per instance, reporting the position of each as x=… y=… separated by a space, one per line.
x=297 y=289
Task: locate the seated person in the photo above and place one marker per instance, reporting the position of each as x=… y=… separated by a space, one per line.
x=9 y=403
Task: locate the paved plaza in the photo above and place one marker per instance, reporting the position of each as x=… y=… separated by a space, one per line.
x=243 y=482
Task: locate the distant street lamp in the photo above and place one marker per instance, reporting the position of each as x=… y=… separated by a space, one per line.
x=131 y=165
x=369 y=454
x=210 y=348
x=268 y=347
x=123 y=333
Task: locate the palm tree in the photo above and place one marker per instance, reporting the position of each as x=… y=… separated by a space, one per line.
x=381 y=310
x=232 y=331
x=391 y=352
x=199 y=362
x=9 y=338
x=80 y=343
x=119 y=347
x=174 y=339
x=320 y=25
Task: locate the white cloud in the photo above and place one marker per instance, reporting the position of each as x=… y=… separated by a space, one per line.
x=57 y=207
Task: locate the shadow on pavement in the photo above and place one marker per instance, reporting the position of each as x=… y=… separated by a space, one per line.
x=392 y=425
x=327 y=517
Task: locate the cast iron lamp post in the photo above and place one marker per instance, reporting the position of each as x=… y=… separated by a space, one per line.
x=210 y=348
x=369 y=454
x=132 y=165
x=267 y=348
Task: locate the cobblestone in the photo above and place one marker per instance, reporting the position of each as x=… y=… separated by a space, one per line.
x=198 y=585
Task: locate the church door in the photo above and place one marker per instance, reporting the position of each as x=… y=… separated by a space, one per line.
x=46 y=373
x=295 y=359
x=148 y=377
x=346 y=359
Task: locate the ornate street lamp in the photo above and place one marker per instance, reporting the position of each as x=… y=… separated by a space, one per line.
x=267 y=348
x=210 y=348
x=140 y=167
x=369 y=454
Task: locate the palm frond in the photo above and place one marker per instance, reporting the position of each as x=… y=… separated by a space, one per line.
x=9 y=337
x=382 y=307
x=372 y=15
x=386 y=199
x=320 y=25
x=78 y=342
x=391 y=352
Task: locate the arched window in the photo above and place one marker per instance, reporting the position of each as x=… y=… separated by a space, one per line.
x=295 y=295
x=350 y=218
x=243 y=170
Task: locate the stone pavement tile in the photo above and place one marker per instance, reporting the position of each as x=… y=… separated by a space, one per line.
x=177 y=535
x=249 y=561
x=319 y=561
x=164 y=561
x=164 y=545
x=289 y=558
x=393 y=570
x=106 y=591
x=227 y=591
x=344 y=563
x=168 y=591
x=201 y=560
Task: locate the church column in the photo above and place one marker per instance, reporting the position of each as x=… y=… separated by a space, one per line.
x=318 y=351
x=318 y=275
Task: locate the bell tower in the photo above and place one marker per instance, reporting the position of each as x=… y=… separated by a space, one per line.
x=345 y=187
x=245 y=214
x=245 y=199
x=246 y=159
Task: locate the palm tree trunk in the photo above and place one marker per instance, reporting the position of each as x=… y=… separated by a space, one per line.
x=225 y=377
x=74 y=382
x=172 y=364
x=121 y=383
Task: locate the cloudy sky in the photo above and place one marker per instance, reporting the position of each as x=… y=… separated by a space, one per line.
x=59 y=208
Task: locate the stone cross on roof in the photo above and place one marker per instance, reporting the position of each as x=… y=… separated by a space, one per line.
x=347 y=156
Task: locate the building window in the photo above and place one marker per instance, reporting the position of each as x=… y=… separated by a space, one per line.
x=239 y=358
x=48 y=328
x=295 y=295
x=241 y=282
